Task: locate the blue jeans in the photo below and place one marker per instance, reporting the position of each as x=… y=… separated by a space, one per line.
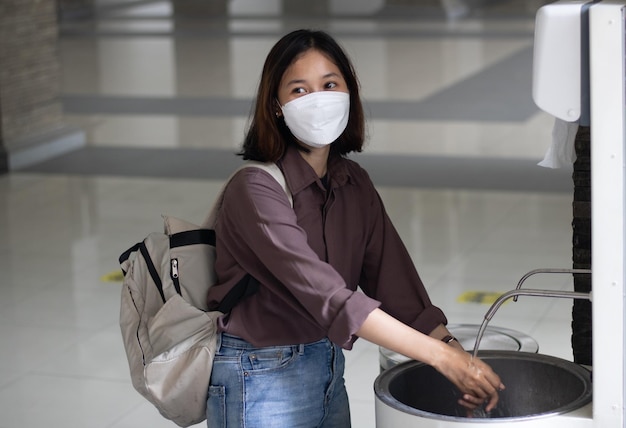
x=298 y=386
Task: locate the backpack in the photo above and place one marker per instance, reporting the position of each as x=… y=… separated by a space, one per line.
x=169 y=335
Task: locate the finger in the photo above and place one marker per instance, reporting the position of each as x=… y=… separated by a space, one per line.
x=467 y=405
x=492 y=388
x=473 y=400
x=480 y=389
x=494 y=380
x=491 y=376
x=486 y=394
x=487 y=380
x=482 y=392
x=493 y=401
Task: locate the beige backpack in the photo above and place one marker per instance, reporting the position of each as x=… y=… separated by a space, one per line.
x=169 y=336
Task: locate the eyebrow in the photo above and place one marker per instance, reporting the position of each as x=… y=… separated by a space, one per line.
x=298 y=81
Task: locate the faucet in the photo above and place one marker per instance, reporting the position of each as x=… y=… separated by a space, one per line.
x=518 y=291
x=548 y=270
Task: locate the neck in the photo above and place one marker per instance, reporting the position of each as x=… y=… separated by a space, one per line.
x=318 y=159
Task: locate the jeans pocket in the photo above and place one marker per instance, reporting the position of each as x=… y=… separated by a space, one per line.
x=267 y=359
x=216 y=407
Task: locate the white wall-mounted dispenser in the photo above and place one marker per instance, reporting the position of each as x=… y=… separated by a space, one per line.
x=561 y=60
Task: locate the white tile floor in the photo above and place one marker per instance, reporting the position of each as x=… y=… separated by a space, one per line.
x=62 y=359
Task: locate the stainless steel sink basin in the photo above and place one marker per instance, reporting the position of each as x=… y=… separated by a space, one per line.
x=537 y=386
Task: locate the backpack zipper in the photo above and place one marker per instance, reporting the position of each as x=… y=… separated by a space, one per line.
x=174 y=275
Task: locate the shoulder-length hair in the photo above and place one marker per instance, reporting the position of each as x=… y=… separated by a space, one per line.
x=268 y=136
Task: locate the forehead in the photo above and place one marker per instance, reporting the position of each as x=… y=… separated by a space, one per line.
x=310 y=64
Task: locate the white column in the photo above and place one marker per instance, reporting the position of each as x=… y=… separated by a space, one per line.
x=607 y=193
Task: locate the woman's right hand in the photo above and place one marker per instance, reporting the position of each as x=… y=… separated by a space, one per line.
x=478 y=383
x=475 y=379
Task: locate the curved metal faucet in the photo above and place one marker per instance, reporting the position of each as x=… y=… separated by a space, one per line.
x=529 y=292
x=548 y=270
x=533 y=292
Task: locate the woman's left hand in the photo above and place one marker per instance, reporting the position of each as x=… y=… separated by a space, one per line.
x=478 y=383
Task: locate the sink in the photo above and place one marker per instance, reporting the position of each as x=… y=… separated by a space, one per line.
x=538 y=387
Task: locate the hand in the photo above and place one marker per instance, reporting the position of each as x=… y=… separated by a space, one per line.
x=478 y=383
x=475 y=379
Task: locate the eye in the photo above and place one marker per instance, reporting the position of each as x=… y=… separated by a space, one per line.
x=330 y=85
x=298 y=90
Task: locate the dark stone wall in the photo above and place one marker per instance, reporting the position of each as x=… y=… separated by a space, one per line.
x=581 y=247
x=29 y=71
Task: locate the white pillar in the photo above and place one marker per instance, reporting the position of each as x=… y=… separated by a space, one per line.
x=607 y=195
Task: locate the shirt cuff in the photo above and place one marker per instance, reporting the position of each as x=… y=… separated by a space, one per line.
x=429 y=319
x=349 y=320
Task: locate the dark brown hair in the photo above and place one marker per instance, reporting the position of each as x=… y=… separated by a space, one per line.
x=268 y=136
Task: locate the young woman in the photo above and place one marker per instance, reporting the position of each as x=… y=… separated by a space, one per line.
x=280 y=361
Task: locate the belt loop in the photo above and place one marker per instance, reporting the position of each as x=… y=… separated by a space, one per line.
x=301 y=349
x=218 y=342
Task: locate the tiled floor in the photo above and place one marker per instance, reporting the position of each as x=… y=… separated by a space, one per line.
x=451 y=97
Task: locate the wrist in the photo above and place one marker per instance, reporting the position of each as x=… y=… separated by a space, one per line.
x=442 y=355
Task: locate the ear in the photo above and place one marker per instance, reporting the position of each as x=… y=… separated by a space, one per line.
x=277 y=109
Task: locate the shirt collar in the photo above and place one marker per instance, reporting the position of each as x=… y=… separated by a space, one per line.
x=299 y=174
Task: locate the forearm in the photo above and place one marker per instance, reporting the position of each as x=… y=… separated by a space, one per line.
x=384 y=330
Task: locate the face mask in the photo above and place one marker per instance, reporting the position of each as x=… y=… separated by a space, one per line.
x=317 y=119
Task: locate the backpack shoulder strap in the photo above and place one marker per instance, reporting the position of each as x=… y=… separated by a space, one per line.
x=269 y=167
x=275 y=172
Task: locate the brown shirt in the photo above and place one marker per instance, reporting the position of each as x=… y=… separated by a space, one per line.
x=310 y=260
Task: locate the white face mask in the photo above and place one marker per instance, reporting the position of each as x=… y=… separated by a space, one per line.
x=317 y=119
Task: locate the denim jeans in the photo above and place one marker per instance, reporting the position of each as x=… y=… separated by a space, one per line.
x=298 y=386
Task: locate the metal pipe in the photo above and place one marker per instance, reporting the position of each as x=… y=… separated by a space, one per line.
x=523 y=292
x=548 y=270
x=533 y=292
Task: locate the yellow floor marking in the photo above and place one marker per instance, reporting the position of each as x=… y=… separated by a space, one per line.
x=115 y=276
x=482 y=297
